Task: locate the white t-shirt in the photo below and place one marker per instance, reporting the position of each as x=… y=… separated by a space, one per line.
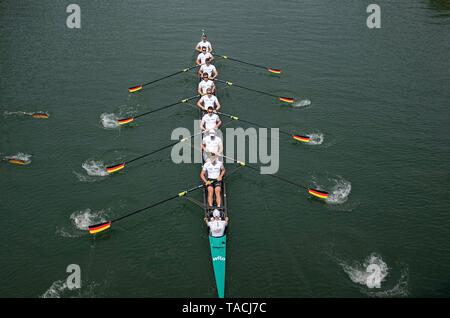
x=212 y=145
x=217 y=227
x=202 y=57
x=213 y=170
x=206 y=43
x=208 y=101
x=204 y=85
x=208 y=69
x=210 y=121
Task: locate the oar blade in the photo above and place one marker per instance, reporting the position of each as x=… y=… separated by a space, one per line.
x=112 y=169
x=18 y=162
x=97 y=228
x=289 y=100
x=40 y=115
x=318 y=193
x=301 y=138
x=134 y=89
x=274 y=70
x=125 y=121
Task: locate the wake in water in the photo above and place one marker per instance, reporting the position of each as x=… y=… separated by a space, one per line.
x=38 y=114
x=302 y=103
x=109 y=121
x=83 y=219
x=339 y=192
x=315 y=139
x=373 y=274
x=19 y=158
x=338 y=188
x=95 y=168
x=56 y=290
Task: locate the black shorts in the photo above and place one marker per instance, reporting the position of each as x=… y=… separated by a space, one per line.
x=215 y=183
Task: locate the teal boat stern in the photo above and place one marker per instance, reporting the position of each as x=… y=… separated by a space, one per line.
x=218 y=255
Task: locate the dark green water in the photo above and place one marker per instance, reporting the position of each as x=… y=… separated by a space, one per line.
x=379 y=97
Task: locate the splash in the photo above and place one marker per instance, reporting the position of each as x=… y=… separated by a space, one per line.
x=315 y=139
x=339 y=192
x=370 y=274
x=400 y=289
x=109 y=121
x=302 y=103
x=95 y=168
x=56 y=290
x=83 y=219
x=21 y=157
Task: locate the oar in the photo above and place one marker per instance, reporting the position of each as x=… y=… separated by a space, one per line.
x=96 y=228
x=270 y=69
x=115 y=168
x=301 y=138
x=130 y=119
x=139 y=87
x=281 y=98
x=315 y=192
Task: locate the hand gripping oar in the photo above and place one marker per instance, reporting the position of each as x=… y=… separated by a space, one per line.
x=269 y=69
x=130 y=119
x=281 y=98
x=301 y=138
x=315 y=192
x=96 y=228
x=139 y=87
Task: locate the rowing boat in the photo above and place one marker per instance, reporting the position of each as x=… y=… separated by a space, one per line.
x=218 y=245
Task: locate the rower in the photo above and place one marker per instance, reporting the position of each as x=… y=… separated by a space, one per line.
x=208 y=100
x=211 y=145
x=216 y=224
x=204 y=43
x=204 y=84
x=210 y=120
x=208 y=68
x=201 y=58
x=213 y=171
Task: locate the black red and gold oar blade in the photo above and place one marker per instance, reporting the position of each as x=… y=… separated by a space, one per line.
x=134 y=88
x=125 y=121
x=40 y=115
x=318 y=193
x=301 y=138
x=286 y=99
x=97 y=228
x=274 y=70
x=18 y=162
x=112 y=169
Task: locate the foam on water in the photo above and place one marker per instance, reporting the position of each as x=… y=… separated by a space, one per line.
x=20 y=156
x=56 y=290
x=370 y=274
x=23 y=113
x=95 y=168
x=83 y=219
x=302 y=103
x=316 y=139
x=109 y=121
x=339 y=192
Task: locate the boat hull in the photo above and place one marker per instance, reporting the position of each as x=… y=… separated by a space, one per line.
x=218 y=247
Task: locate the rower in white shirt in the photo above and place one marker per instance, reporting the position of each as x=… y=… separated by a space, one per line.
x=208 y=100
x=204 y=43
x=210 y=120
x=201 y=58
x=204 y=84
x=211 y=175
x=211 y=146
x=208 y=68
x=216 y=224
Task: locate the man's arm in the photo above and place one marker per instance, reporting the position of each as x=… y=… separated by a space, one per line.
x=222 y=173
x=202 y=176
x=200 y=104
x=217 y=104
x=216 y=73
